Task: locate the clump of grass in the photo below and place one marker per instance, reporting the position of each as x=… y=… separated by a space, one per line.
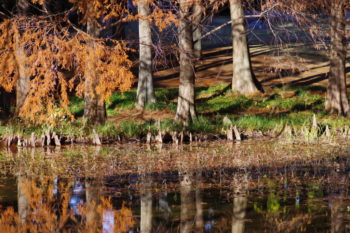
x=132 y=129
x=76 y=128
x=107 y=130
x=203 y=125
x=225 y=104
x=171 y=125
x=124 y=100
x=72 y=154
x=210 y=92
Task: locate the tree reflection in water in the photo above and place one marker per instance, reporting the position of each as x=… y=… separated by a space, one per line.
x=189 y=196
x=337 y=194
x=42 y=209
x=199 y=206
x=146 y=204
x=239 y=202
x=187 y=202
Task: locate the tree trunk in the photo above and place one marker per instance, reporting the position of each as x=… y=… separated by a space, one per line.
x=186 y=102
x=95 y=108
x=145 y=92
x=197 y=32
x=23 y=81
x=243 y=79
x=337 y=101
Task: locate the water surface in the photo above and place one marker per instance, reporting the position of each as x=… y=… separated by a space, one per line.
x=250 y=187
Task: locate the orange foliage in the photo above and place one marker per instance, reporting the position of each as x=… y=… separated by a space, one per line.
x=59 y=57
x=58 y=60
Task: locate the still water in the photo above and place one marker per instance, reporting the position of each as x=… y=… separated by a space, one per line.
x=202 y=189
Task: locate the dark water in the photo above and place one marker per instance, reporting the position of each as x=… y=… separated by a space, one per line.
x=293 y=197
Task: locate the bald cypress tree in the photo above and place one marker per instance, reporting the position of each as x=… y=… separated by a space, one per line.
x=337 y=101
x=145 y=92
x=186 y=102
x=243 y=79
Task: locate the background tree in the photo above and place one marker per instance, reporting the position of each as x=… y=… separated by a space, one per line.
x=198 y=11
x=337 y=101
x=145 y=92
x=21 y=56
x=94 y=105
x=243 y=79
x=186 y=102
x=308 y=13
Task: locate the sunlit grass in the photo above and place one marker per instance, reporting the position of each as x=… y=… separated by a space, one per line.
x=262 y=112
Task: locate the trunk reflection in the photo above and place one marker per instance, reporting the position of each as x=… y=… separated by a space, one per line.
x=146 y=205
x=187 y=203
x=239 y=204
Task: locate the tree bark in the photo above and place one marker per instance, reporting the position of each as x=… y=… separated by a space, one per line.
x=23 y=81
x=145 y=92
x=337 y=101
x=243 y=79
x=95 y=108
x=197 y=32
x=186 y=102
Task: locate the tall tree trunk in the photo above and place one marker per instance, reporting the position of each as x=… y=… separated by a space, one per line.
x=95 y=108
x=145 y=92
x=23 y=81
x=186 y=103
x=337 y=101
x=243 y=79
x=197 y=32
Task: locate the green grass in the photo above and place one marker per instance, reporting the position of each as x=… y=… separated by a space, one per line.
x=264 y=112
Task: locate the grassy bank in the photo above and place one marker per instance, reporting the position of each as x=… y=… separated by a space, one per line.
x=260 y=113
